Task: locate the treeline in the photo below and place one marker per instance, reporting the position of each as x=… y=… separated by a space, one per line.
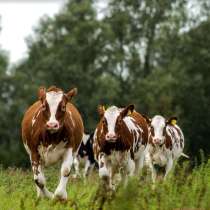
x=154 y=54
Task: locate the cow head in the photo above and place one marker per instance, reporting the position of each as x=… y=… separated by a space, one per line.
x=157 y=126
x=54 y=102
x=112 y=119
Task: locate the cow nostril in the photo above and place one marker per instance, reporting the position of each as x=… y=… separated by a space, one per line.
x=111 y=136
x=52 y=125
x=55 y=125
x=156 y=141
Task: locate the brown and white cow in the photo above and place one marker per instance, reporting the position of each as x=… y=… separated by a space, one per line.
x=120 y=140
x=52 y=130
x=165 y=144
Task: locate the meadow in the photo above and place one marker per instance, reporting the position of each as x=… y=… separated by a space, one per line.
x=184 y=189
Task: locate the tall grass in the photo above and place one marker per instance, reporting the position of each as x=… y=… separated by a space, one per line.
x=182 y=190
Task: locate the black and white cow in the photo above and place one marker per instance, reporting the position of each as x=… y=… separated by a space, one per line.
x=86 y=155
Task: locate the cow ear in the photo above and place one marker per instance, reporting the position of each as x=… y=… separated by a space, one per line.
x=101 y=110
x=148 y=120
x=172 y=121
x=127 y=110
x=42 y=93
x=71 y=93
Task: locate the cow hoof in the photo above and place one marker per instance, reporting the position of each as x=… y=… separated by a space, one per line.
x=44 y=193
x=103 y=172
x=76 y=176
x=49 y=194
x=40 y=193
x=60 y=195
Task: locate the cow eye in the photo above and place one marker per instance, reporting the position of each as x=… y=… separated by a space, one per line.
x=63 y=108
x=43 y=107
x=120 y=120
x=104 y=122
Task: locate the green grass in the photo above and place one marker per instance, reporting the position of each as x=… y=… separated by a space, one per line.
x=182 y=190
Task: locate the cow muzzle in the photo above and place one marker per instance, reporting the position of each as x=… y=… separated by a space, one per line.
x=157 y=141
x=52 y=126
x=111 y=137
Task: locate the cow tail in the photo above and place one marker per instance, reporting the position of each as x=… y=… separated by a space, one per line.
x=184 y=155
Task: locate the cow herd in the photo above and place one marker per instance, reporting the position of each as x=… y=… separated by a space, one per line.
x=121 y=144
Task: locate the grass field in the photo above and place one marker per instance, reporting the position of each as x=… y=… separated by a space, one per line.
x=182 y=190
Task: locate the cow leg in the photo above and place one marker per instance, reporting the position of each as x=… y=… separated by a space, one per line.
x=115 y=178
x=103 y=170
x=42 y=191
x=169 y=166
x=87 y=166
x=130 y=170
x=90 y=170
x=154 y=173
x=39 y=178
x=130 y=167
x=76 y=167
x=60 y=191
x=139 y=162
x=151 y=166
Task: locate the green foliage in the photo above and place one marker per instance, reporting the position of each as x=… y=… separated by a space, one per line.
x=182 y=190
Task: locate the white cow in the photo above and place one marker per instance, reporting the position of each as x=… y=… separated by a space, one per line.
x=165 y=144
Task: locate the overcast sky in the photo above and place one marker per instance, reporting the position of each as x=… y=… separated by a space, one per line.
x=18 y=17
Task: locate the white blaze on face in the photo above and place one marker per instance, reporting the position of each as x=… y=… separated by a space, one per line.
x=53 y=99
x=111 y=115
x=158 y=123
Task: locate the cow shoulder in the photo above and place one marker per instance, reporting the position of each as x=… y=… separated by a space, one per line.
x=99 y=135
x=98 y=139
x=73 y=115
x=169 y=141
x=142 y=123
x=28 y=118
x=74 y=125
x=176 y=135
x=30 y=112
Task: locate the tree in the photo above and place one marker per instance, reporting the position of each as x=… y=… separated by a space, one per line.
x=150 y=53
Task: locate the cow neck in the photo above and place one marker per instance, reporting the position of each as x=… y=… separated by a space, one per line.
x=181 y=136
x=168 y=142
x=123 y=143
x=48 y=138
x=118 y=145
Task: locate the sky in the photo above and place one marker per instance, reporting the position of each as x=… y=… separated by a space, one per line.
x=17 y=20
